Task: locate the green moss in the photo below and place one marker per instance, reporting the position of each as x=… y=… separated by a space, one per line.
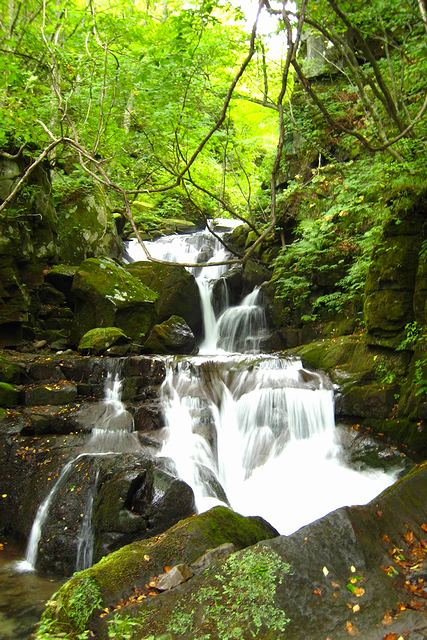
x=118 y=573
x=70 y=609
x=9 y=395
x=177 y=289
x=106 y=294
x=9 y=371
x=236 y=601
x=98 y=340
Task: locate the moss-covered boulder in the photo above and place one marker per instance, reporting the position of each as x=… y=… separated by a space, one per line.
x=56 y=393
x=61 y=277
x=177 y=289
x=9 y=371
x=117 y=576
x=87 y=227
x=9 y=395
x=354 y=572
x=106 y=295
x=395 y=290
x=172 y=336
x=99 y=340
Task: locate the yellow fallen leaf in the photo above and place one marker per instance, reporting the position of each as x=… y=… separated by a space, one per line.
x=353 y=569
x=356 y=608
x=325 y=571
x=146 y=558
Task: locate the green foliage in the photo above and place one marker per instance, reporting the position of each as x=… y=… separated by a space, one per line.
x=122 y=627
x=84 y=600
x=242 y=601
x=413 y=334
x=340 y=211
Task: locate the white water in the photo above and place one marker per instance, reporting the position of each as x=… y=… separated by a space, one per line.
x=112 y=433
x=255 y=431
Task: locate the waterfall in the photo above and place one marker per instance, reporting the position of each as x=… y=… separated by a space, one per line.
x=256 y=432
x=86 y=537
x=112 y=433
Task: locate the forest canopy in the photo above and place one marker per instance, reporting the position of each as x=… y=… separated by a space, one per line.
x=180 y=108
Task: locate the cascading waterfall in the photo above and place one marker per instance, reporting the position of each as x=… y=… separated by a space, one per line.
x=86 y=538
x=255 y=432
x=112 y=433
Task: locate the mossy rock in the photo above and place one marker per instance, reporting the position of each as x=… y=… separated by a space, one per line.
x=99 y=340
x=325 y=580
x=254 y=274
x=177 y=289
x=367 y=401
x=9 y=395
x=350 y=358
x=116 y=575
x=107 y=295
x=61 y=277
x=172 y=336
x=50 y=394
x=87 y=227
x=9 y=371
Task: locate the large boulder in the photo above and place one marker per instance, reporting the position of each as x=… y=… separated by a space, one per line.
x=172 y=336
x=177 y=289
x=106 y=295
x=103 y=503
x=87 y=226
x=120 y=574
x=356 y=572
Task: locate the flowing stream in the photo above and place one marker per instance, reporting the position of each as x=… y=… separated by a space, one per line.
x=112 y=433
x=251 y=430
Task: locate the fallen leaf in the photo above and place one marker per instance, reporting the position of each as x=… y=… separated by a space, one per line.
x=356 y=608
x=386 y=538
x=353 y=569
x=424 y=526
x=391 y=636
x=317 y=592
x=350 y=628
x=409 y=537
x=325 y=571
x=152 y=583
x=167 y=568
x=146 y=558
x=387 y=619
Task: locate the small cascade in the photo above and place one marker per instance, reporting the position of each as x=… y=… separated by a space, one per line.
x=29 y=564
x=112 y=433
x=241 y=328
x=266 y=444
x=86 y=538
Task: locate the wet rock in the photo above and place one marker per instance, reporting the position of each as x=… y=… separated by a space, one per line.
x=50 y=394
x=177 y=290
x=101 y=339
x=172 y=336
x=254 y=274
x=10 y=371
x=87 y=225
x=54 y=419
x=148 y=417
x=136 y=499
